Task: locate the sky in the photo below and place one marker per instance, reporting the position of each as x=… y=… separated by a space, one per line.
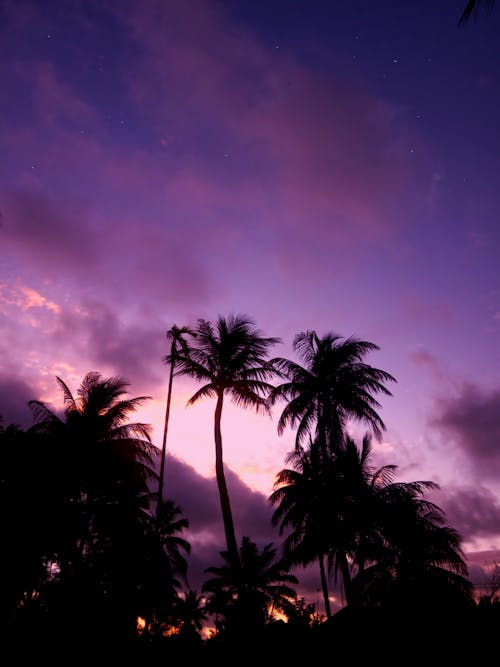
x=312 y=164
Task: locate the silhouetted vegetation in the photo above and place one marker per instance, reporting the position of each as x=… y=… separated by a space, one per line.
x=472 y=8
x=93 y=556
x=230 y=359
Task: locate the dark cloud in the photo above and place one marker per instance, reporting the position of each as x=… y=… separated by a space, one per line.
x=473 y=511
x=105 y=339
x=472 y=420
x=482 y=570
x=198 y=498
x=14 y=397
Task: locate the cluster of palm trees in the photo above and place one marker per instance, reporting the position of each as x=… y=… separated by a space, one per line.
x=382 y=536
x=82 y=549
x=93 y=539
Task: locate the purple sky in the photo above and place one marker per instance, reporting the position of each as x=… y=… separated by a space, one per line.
x=315 y=165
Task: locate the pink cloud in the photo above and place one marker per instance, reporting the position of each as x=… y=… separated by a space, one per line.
x=335 y=156
x=415 y=309
x=62 y=239
x=26 y=298
x=428 y=361
x=311 y=163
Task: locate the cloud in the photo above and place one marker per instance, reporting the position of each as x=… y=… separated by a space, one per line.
x=55 y=99
x=198 y=498
x=473 y=511
x=482 y=570
x=471 y=419
x=417 y=310
x=25 y=298
x=14 y=396
x=313 y=148
x=228 y=149
x=428 y=361
x=40 y=230
x=64 y=241
x=105 y=338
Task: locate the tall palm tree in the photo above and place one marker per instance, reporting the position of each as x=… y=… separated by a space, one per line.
x=176 y=337
x=230 y=358
x=333 y=385
x=251 y=595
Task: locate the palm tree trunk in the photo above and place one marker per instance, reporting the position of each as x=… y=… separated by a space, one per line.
x=346 y=577
x=227 y=516
x=165 y=430
x=324 y=586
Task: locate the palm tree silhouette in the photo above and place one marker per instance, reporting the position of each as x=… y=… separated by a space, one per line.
x=163 y=566
x=366 y=497
x=229 y=357
x=108 y=468
x=306 y=501
x=192 y=614
x=333 y=385
x=415 y=554
x=247 y=598
x=176 y=337
x=472 y=9
x=110 y=453
x=342 y=509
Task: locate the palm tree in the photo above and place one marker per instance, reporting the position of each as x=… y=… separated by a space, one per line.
x=307 y=497
x=192 y=614
x=229 y=357
x=176 y=336
x=344 y=510
x=163 y=566
x=333 y=385
x=364 y=495
x=28 y=517
x=415 y=556
x=108 y=468
x=252 y=594
x=472 y=9
x=171 y=524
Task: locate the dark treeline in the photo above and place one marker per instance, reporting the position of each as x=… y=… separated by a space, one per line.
x=93 y=553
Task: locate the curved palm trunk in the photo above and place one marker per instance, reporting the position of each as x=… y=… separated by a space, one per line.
x=227 y=516
x=165 y=430
x=324 y=586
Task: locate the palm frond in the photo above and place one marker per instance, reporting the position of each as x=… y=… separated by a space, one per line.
x=207 y=391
